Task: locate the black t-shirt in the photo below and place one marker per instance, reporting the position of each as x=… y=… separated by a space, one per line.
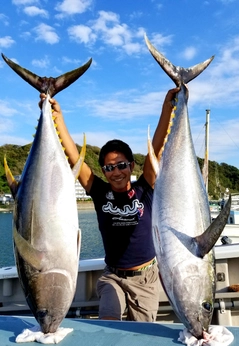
x=125 y=222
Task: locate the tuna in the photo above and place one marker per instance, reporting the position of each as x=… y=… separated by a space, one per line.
x=46 y=231
x=181 y=222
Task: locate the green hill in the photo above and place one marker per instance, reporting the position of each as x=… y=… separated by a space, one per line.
x=221 y=176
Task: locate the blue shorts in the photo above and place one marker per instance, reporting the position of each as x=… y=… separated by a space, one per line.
x=138 y=295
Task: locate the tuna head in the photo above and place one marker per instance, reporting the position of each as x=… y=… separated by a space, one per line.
x=49 y=297
x=48 y=277
x=192 y=295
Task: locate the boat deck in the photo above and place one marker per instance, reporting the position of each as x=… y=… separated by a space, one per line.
x=105 y=333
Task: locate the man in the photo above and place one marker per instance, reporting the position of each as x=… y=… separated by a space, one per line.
x=130 y=279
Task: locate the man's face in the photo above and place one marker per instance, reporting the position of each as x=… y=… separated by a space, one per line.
x=118 y=178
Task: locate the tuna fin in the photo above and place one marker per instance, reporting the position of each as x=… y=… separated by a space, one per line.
x=48 y=85
x=12 y=183
x=152 y=157
x=77 y=167
x=178 y=74
x=32 y=256
x=208 y=239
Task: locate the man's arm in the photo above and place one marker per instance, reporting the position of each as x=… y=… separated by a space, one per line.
x=159 y=135
x=86 y=176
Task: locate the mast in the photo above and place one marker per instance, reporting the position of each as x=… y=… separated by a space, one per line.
x=206 y=158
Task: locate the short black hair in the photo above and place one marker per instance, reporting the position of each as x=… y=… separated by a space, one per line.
x=115 y=145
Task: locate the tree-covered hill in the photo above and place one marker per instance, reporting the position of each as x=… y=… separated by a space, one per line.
x=221 y=176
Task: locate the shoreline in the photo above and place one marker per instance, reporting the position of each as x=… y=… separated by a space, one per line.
x=85 y=205
x=81 y=205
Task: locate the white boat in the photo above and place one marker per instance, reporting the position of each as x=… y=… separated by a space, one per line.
x=230 y=234
x=85 y=303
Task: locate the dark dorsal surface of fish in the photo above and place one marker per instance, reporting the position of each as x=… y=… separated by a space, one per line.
x=181 y=221
x=45 y=224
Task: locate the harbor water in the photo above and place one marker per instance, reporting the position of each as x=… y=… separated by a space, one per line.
x=91 y=242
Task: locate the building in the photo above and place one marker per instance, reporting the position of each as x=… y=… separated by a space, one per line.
x=80 y=192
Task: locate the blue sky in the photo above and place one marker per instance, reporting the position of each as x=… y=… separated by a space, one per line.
x=123 y=90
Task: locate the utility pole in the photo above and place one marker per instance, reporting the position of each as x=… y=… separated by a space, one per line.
x=206 y=158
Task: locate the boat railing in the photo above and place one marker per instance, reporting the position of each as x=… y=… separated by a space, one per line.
x=86 y=302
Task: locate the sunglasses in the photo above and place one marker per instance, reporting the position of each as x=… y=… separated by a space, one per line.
x=120 y=166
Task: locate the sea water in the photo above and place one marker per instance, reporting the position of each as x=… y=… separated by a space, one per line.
x=91 y=242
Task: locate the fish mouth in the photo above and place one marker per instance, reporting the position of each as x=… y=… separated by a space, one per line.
x=48 y=323
x=200 y=324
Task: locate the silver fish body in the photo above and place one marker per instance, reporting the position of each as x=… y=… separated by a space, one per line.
x=46 y=231
x=181 y=222
x=45 y=225
x=180 y=213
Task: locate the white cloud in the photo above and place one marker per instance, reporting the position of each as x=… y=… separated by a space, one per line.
x=158 y=40
x=26 y=35
x=4 y=19
x=35 y=11
x=114 y=33
x=132 y=48
x=219 y=84
x=46 y=33
x=67 y=60
x=82 y=34
x=24 y=2
x=189 y=53
x=104 y=20
x=71 y=7
x=6 y=139
x=127 y=104
x=42 y=63
x=136 y=15
x=108 y=29
x=6 y=41
x=6 y=110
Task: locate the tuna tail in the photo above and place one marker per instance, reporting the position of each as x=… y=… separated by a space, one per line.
x=178 y=74
x=48 y=85
x=208 y=239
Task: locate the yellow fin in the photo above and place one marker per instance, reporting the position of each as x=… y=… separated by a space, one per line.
x=153 y=159
x=12 y=183
x=77 y=167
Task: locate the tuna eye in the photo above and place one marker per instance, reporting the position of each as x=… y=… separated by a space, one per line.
x=42 y=314
x=207 y=306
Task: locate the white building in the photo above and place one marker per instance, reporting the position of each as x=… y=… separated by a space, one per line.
x=80 y=191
